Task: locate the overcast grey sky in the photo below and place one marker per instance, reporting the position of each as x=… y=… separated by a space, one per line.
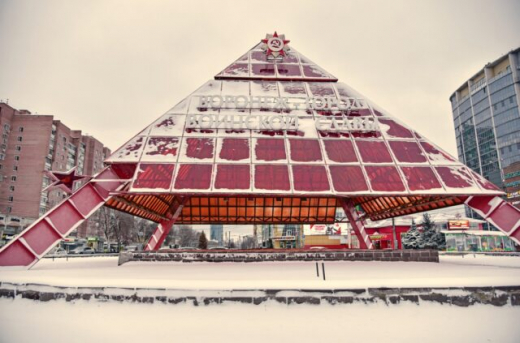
x=112 y=67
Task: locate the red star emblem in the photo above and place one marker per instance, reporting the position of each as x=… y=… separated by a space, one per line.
x=64 y=180
x=275 y=46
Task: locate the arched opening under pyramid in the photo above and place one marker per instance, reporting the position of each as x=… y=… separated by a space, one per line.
x=272 y=139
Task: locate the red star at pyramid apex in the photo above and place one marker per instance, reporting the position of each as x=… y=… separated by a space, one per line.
x=63 y=180
x=275 y=46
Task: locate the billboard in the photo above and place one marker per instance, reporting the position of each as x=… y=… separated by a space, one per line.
x=326 y=229
x=458 y=224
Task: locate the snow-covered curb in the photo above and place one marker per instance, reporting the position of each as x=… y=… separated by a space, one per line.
x=297 y=255
x=463 y=296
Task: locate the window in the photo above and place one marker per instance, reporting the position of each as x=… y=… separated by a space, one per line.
x=13 y=178
x=15 y=168
x=20 y=129
x=11 y=188
x=20 y=138
x=10 y=198
x=6 y=127
x=9 y=209
x=18 y=148
x=2 y=166
x=17 y=158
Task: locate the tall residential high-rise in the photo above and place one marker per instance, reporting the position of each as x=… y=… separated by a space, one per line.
x=216 y=233
x=31 y=145
x=487 y=120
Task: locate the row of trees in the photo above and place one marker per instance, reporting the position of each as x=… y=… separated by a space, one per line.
x=425 y=237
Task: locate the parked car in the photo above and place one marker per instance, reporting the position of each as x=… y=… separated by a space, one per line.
x=82 y=251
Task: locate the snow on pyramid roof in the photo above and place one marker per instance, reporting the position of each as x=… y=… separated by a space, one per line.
x=281 y=126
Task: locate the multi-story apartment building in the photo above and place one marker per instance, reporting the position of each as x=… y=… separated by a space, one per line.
x=487 y=119
x=31 y=145
x=216 y=232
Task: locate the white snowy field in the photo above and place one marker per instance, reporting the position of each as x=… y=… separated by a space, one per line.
x=452 y=271
x=58 y=321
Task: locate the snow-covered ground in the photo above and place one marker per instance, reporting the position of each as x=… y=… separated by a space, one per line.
x=452 y=271
x=55 y=321
x=58 y=321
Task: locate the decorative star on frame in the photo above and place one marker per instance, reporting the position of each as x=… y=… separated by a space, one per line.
x=64 y=180
x=275 y=46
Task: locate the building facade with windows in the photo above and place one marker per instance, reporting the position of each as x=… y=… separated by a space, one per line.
x=487 y=119
x=31 y=145
x=216 y=233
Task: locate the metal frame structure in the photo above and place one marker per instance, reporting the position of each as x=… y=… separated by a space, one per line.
x=188 y=167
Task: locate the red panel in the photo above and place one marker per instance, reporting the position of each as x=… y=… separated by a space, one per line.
x=407 y=152
x=484 y=204
x=262 y=69
x=420 y=178
x=373 y=151
x=258 y=56
x=340 y=150
x=294 y=88
x=107 y=174
x=232 y=176
x=16 y=254
x=455 y=177
x=384 y=179
x=238 y=69
x=270 y=149
x=166 y=146
x=124 y=170
x=154 y=176
x=506 y=217
x=310 y=178
x=234 y=149
x=312 y=71
x=272 y=177
x=288 y=70
x=305 y=150
x=41 y=237
x=435 y=154
x=194 y=176
x=484 y=183
x=396 y=130
x=104 y=188
x=348 y=179
x=86 y=199
x=363 y=112
x=64 y=217
x=319 y=88
x=200 y=148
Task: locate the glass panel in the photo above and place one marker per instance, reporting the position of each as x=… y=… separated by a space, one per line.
x=154 y=176
x=292 y=89
x=392 y=129
x=348 y=178
x=233 y=149
x=384 y=179
x=264 y=88
x=262 y=70
x=237 y=69
x=270 y=149
x=455 y=177
x=340 y=150
x=373 y=151
x=407 y=152
x=420 y=178
x=232 y=176
x=484 y=183
x=272 y=177
x=198 y=149
x=435 y=155
x=321 y=89
x=193 y=176
x=288 y=70
x=161 y=149
x=168 y=125
x=305 y=150
x=131 y=151
x=310 y=178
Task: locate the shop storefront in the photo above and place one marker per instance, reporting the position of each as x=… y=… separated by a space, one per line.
x=477 y=241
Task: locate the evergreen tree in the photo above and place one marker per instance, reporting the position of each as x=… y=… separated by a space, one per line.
x=413 y=238
x=432 y=238
x=203 y=241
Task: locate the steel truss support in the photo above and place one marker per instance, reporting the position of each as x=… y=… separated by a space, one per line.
x=357 y=224
x=42 y=235
x=164 y=227
x=498 y=212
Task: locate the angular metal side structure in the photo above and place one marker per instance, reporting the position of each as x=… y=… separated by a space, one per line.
x=35 y=241
x=272 y=142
